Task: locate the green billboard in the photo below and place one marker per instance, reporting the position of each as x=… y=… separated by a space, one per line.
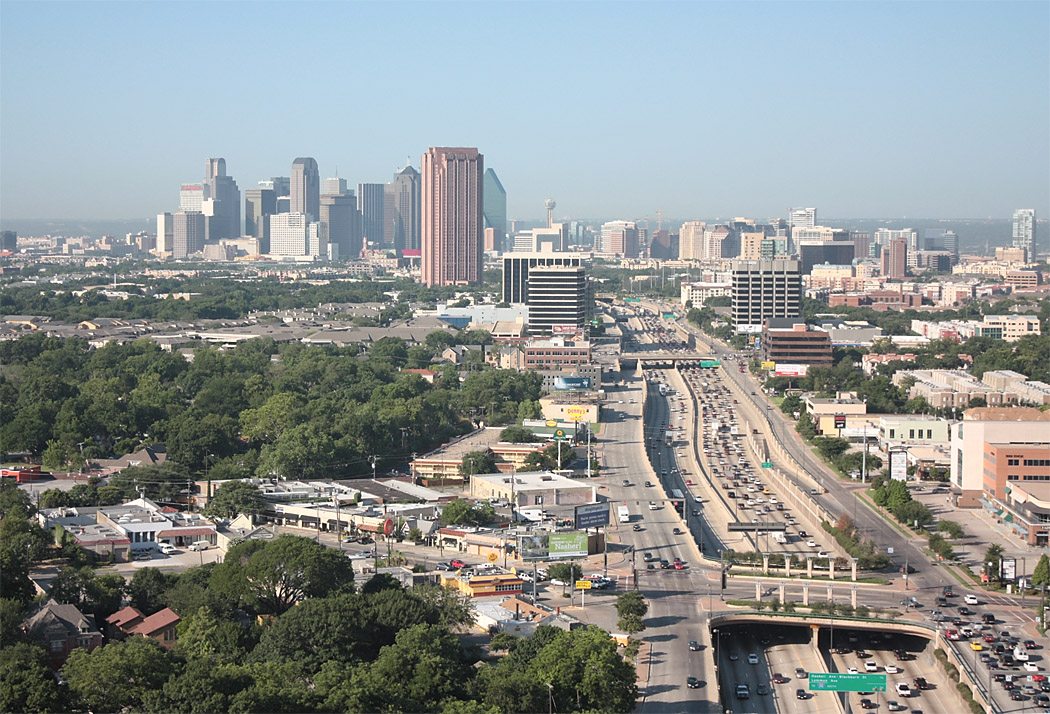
x=835 y=682
x=567 y=545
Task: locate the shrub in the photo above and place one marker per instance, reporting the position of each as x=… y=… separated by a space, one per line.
x=964 y=689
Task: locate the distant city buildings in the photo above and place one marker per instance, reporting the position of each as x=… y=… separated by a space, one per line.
x=222 y=204
x=304 y=191
x=452 y=216
x=619 y=239
x=188 y=232
x=401 y=210
x=495 y=211
x=1024 y=231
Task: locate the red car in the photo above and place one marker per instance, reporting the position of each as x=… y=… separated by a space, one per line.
x=457 y=563
x=1038 y=677
x=679 y=565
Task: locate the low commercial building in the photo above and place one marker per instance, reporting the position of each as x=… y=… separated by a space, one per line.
x=952 y=388
x=1017 y=488
x=442 y=465
x=849 y=333
x=486 y=585
x=872 y=361
x=579 y=407
x=532 y=488
x=556 y=353
x=990 y=425
x=911 y=430
x=788 y=341
x=696 y=294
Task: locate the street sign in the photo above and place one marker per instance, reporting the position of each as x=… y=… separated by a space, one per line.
x=709 y=363
x=559 y=435
x=492 y=557
x=836 y=682
x=767 y=464
x=583 y=584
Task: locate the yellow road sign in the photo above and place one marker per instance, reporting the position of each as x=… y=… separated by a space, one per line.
x=583 y=584
x=492 y=557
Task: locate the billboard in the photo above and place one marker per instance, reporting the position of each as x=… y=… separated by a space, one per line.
x=840 y=421
x=749 y=329
x=572 y=383
x=564 y=329
x=899 y=465
x=567 y=545
x=791 y=370
x=769 y=365
x=836 y=682
x=576 y=413
x=1009 y=571
x=592 y=515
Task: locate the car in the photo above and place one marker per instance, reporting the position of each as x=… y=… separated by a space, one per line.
x=680 y=565
x=142 y=555
x=1030 y=645
x=762 y=689
x=648 y=484
x=822 y=554
x=677 y=530
x=965 y=611
x=733 y=656
x=1032 y=667
x=665 y=564
x=778 y=678
x=692 y=682
x=801 y=673
x=852 y=670
x=694 y=646
x=892 y=669
x=752 y=658
x=921 y=683
x=867 y=704
x=446 y=566
x=457 y=563
x=976 y=646
x=803 y=534
x=811 y=543
x=895 y=706
x=801 y=694
x=168 y=549
x=871 y=666
x=988 y=618
x=650 y=566
x=1017 y=696
x=902 y=689
x=647 y=557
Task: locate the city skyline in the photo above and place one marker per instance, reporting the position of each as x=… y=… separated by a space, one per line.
x=908 y=120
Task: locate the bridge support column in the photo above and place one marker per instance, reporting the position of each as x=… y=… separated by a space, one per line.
x=765 y=563
x=758 y=589
x=805 y=594
x=809 y=565
x=787 y=565
x=853 y=566
x=831 y=567
x=853 y=596
x=831 y=593
x=783 y=594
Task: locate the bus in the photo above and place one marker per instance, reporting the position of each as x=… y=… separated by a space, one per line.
x=623 y=514
x=677 y=500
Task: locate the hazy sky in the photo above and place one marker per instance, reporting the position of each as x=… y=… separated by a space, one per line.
x=862 y=109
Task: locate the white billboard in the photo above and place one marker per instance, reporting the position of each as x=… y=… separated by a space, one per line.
x=1009 y=568
x=749 y=329
x=899 y=465
x=791 y=370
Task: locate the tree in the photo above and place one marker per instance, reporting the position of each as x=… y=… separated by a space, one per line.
x=805 y=426
x=952 y=528
x=234 y=498
x=461 y=512
x=28 y=684
x=280 y=573
x=568 y=573
x=630 y=624
x=477 y=462
x=120 y=675
x=631 y=602
x=585 y=672
x=203 y=635
x=913 y=512
x=147 y=588
x=12 y=499
x=831 y=447
x=517 y=435
x=1041 y=574
x=993 y=555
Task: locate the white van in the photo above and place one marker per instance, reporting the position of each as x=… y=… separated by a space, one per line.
x=200 y=545
x=652 y=505
x=902 y=689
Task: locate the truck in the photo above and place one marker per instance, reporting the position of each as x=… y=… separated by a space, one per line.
x=669 y=438
x=623 y=514
x=663 y=391
x=780 y=537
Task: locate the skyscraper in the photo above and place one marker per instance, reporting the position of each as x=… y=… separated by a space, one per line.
x=801 y=218
x=895 y=258
x=9 y=242
x=188 y=232
x=165 y=233
x=557 y=296
x=224 y=213
x=289 y=234
x=453 y=196
x=517 y=267
x=691 y=242
x=1024 y=231
x=495 y=209
x=304 y=190
x=333 y=186
x=763 y=289
x=401 y=207
x=620 y=238
x=191 y=197
x=259 y=205
x=370 y=204
x=339 y=212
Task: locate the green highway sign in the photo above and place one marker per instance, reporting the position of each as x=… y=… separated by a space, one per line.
x=709 y=363
x=767 y=464
x=632 y=299
x=835 y=682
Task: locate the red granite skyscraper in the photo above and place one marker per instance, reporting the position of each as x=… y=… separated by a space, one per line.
x=452 y=216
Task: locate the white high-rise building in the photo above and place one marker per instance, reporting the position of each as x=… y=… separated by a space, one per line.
x=691 y=240
x=192 y=196
x=1024 y=231
x=289 y=234
x=165 y=233
x=333 y=186
x=802 y=218
x=317 y=239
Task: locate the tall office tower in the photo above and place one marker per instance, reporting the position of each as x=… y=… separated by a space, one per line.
x=191 y=197
x=259 y=205
x=305 y=189
x=495 y=208
x=188 y=232
x=620 y=238
x=950 y=243
x=691 y=240
x=401 y=206
x=819 y=245
x=763 y=289
x=165 y=233
x=883 y=236
x=719 y=242
x=317 y=240
x=9 y=241
x=281 y=185
x=751 y=245
x=801 y=218
x=225 y=219
x=557 y=296
x=1024 y=231
x=660 y=245
x=778 y=227
x=518 y=266
x=370 y=203
x=861 y=244
x=453 y=196
x=339 y=211
x=333 y=186
x=895 y=258
x=289 y=234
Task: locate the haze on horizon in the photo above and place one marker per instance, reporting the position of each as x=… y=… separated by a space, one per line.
x=872 y=110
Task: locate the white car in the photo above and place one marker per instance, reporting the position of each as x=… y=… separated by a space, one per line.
x=1032 y=667
x=822 y=554
x=752 y=658
x=971 y=600
x=168 y=549
x=871 y=666
x=811 y=544
x=892 y=669
x=852 y=670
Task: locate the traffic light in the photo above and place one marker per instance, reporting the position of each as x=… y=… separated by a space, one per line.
x=723 y=580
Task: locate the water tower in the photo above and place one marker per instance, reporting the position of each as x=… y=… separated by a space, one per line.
x=549 y=204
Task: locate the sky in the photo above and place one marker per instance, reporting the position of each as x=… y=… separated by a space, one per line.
x=614 y=109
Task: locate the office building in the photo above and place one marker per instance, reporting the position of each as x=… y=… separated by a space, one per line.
x=9 y=241
x=339 y=213
x=304 y=191
x=317 y=240
x=224 y=213
x=819 y=245
x=791 y=341
x=495 y=208
x=370 y=198
x=619 y=238
x=401 y=206
x=751 y=245
x=895 y=258
x=557 y=297
x=165 y=233
x=801 y=218
x=453 y=195
x=517 y=266
x=764 y=289
x=289 y=234
x=861 y=244
x=191 y=197
x=691 y=240
x=333 y=186
x=660 y=246
x=259 y=205
x=188 y=230
x=281 y=185
x=1024 y=231
x=720 y=242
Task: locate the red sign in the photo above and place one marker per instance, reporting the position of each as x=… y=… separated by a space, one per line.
x=840 y=421
x=388 y=527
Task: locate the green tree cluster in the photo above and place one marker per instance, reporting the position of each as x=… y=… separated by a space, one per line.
x=460 y=512
x=894 y=496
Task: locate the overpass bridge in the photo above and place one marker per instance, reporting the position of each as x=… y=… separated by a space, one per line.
x=631 y=359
